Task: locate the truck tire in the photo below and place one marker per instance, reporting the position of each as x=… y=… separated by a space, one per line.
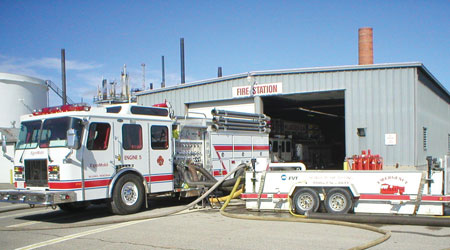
x=74 y=206
x=306 y=200
x=338 y=201
x=128 y=195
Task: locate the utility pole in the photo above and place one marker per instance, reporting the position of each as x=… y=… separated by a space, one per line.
x=63 y=73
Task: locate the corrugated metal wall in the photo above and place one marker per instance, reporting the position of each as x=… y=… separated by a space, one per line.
x=383 y=102
x=433 y=113
x=378 y=99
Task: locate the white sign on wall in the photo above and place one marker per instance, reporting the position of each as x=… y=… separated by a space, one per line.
x=390 y=139
x=258 y=89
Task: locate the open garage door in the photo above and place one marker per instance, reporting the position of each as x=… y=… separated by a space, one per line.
x=308 y=127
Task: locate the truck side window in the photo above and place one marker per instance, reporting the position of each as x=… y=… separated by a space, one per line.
x=160 y=137
x=132 y=136
x=98 y=137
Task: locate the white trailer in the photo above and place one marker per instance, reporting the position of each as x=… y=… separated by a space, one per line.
x=340 y=191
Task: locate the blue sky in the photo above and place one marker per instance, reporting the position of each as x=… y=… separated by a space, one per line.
x=240 y=36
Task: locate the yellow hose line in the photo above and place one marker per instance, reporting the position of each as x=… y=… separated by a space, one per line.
x=236 y=185
x=224 y=198
x=302 y=218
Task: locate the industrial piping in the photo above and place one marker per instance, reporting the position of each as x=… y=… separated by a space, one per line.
x=216 y=112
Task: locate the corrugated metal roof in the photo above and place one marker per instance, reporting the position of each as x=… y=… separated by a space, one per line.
x=303 y=70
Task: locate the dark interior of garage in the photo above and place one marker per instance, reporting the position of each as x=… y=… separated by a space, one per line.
x=308 y=127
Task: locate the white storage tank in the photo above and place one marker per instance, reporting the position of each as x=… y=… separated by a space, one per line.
x=19 y=95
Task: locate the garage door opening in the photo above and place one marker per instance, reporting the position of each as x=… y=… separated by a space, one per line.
x=308 y=127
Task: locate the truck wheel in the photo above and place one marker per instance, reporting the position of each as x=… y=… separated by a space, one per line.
x=306 y=200
x=74 y=206
x=128 y=195
x=338 y=201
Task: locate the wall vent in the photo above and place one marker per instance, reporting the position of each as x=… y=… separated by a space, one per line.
x=448 y=149
x=425 y=139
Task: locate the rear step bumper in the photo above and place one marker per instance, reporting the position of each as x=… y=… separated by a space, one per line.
x=37 y=197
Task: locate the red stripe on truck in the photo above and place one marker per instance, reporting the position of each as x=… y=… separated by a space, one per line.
x=263 y=196
x=78 y=184
x=384 y=197
x=223 y=147
x=167 y=177
x=261 y=147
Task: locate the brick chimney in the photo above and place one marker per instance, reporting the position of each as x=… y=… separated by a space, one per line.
x=365 y=42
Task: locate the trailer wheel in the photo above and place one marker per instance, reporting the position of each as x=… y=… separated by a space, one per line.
x=128 y=195
x=306 y=200
x=338 y=201
x=74 y=206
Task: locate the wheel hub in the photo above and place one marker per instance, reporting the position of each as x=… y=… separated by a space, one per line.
x=129 y=193
x=338 y=202
x=305 y=201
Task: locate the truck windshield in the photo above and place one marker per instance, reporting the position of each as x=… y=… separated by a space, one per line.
x=54 y=131
x=29 y=135
x=51 y=133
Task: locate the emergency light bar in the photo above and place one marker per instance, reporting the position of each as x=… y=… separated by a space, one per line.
x=63 y=108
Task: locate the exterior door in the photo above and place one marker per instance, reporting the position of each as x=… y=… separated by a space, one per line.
x=131 y=148
x=160 y=160
x=98 y=159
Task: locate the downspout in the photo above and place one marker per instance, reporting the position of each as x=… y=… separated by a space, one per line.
x=415 y=133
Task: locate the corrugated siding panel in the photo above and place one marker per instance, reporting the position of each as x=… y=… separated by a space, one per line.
x=382 y=102
x=433 y=113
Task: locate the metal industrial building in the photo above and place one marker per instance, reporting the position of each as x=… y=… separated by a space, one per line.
x=399 y=111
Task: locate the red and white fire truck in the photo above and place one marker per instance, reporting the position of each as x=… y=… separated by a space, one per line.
x=73 y=155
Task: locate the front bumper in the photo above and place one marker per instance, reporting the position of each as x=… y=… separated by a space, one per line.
x=37 y=197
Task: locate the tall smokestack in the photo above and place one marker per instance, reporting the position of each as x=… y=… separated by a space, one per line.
x=183 y=80
x=365 y=42
x=143 y=76
x=104 y=89
x=63 y=73
x=163 y=82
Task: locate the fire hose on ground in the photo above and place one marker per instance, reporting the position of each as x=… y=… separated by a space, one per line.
x=301 y=218
x=128 y=219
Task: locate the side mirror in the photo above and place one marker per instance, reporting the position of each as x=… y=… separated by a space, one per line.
x=4 y=143
x=72 y=139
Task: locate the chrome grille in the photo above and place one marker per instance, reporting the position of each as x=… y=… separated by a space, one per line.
x=36 y=173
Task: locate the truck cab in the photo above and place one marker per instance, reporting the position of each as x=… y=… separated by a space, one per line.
x=105 y=144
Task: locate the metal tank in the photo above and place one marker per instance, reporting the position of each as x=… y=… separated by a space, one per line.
x=20 y=95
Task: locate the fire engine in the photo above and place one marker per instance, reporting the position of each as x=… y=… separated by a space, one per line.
x=74 y=155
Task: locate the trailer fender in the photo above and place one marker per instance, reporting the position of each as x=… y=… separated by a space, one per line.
x=298 y=185
x=121 y=173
